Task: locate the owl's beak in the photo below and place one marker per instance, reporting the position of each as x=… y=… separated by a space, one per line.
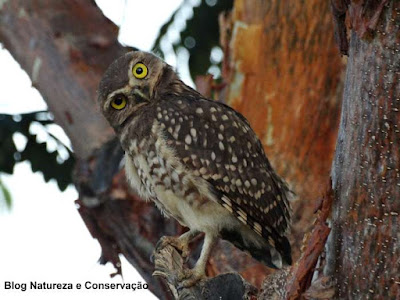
x=141 y=93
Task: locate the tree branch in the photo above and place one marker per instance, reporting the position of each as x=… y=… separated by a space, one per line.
x=302 y=272
x=65 y=60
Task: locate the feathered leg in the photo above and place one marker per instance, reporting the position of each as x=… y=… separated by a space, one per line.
x=192 y=276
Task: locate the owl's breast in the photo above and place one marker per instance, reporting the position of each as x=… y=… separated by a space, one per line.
x=154 y=174
x=135 y=173
x=158 y=175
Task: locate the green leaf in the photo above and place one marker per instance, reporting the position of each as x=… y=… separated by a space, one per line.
x=6 y=195
x=36 y=153
x=202 y=28
x=7 y=150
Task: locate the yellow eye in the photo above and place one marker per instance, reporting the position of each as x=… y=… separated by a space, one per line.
x=139 y=71
x=119 y=102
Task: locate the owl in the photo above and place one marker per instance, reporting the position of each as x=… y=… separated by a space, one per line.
x=198 y=160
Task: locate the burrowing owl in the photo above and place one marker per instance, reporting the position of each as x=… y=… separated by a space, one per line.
x=197 y=159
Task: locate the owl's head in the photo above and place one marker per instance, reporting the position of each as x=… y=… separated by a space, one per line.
x=130 y=83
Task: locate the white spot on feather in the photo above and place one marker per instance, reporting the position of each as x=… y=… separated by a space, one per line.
x=188 y=139
x=213 y=155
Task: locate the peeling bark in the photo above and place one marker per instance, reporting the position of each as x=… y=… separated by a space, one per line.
x=303 y=271
x=363 y=250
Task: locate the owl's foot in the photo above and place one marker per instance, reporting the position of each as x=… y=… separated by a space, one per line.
x=179 y=244
x=190 y=277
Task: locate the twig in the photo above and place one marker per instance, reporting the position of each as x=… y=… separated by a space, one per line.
x=302 y=271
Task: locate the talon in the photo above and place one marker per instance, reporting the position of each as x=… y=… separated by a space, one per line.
x=185 y=253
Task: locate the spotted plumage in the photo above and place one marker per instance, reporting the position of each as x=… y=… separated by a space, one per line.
x=197 y=159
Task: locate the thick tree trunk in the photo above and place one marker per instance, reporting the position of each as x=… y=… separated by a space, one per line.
x=364 y=248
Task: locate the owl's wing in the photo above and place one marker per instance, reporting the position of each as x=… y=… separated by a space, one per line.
x=218 y=144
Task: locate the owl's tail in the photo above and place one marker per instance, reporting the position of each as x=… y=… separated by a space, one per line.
x=273 y=257
x=283 y=257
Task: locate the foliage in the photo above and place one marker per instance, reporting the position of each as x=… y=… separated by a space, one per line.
x=200 y=35
x=50 y=163
x=5 y=195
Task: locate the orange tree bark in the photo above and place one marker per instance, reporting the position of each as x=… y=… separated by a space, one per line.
x=364 y=248
x=285 y=76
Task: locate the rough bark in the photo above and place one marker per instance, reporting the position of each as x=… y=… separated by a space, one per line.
x=364 y=248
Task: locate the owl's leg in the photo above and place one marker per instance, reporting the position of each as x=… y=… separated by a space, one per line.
x=180 y=243
x=192 y=276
